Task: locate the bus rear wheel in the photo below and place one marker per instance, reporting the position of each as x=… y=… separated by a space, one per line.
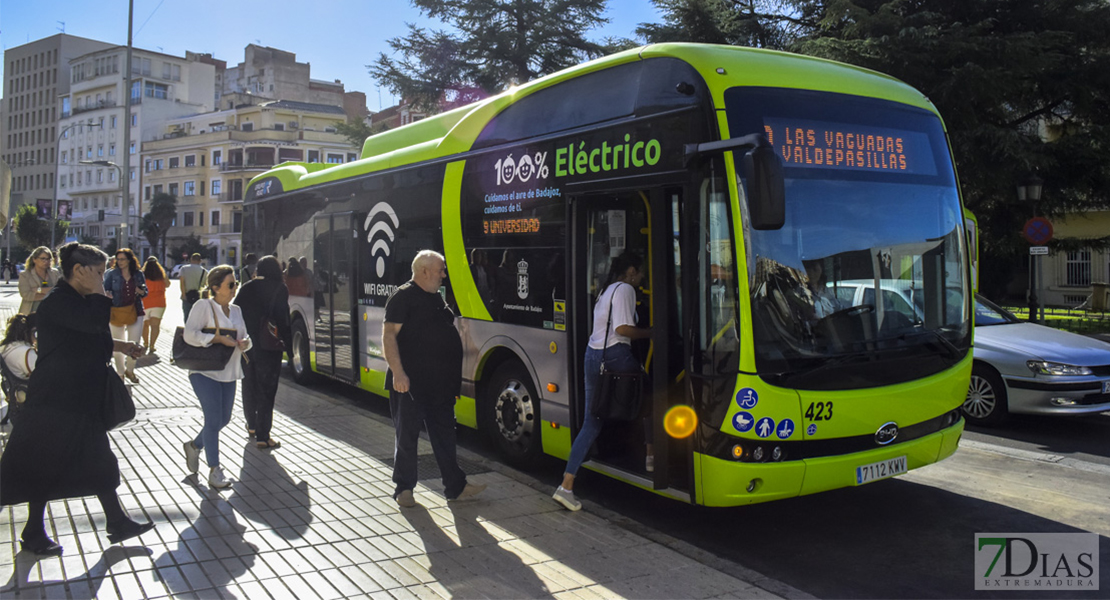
x=299 y=359
x=511 y=415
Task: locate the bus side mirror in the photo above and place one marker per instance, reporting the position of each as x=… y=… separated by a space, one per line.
x=766 y=188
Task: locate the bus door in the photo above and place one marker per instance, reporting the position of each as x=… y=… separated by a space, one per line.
x=332 y=288
x=607 y=225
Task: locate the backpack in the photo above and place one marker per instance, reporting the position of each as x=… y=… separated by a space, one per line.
x=14 y=388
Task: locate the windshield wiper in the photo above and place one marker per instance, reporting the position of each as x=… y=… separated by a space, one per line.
x=952 y=350
x=829 y=363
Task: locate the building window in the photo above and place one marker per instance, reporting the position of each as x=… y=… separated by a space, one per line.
x=216 y=157
x=191 y=160
x=111 y=149
x=187 y=218
x=156 y=90
x=113 y=121
x=335 y=159
x=279 y=126
x=1079 y=268
x=248 y=126
x=200 y=218
x=190 y=188
x=313 y=156
x=157 y=189
x=135 y=120
x=215 y=187
x=215 y=218
x=112 y=176
x=173 y=189
x=99 y=176
x=175 y=162
x=146 y=193
x=99 y=150
x=140 y=66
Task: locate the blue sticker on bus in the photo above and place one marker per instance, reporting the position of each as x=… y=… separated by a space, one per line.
x=812 y=429
x=743 y=421
x=764 y=427
x=747 y=398
x=785 y=429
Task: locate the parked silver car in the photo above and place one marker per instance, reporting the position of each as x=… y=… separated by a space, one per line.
x=1023 y=367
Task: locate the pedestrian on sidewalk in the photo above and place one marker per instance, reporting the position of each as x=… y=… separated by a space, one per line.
x=424 y=353
x=614 y=328
x=6 y=270
x=60 y=447
x=154 y=303
x=191 y=279
x=17 y=350
x=250 y=268
x=126 y=286
x=264 y=301
x=215 y=389
x=37 y=280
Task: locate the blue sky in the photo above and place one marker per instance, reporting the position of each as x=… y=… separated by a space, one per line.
x=338 y=37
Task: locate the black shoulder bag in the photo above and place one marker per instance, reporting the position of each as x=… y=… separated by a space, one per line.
x=619 y=393
x=202 y=358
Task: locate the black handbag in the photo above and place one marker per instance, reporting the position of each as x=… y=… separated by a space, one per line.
x=119 y=407
x=619 y=393
x=202 y=358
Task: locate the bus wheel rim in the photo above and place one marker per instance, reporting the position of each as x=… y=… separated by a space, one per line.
x=513 y=412
x=298 y=360
x=981 y=400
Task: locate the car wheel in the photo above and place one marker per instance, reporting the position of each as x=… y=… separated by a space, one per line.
x=511 y=414
x=986 y=397
x=299 y=359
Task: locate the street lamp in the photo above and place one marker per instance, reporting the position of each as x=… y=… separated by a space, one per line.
x=124 y=196
x=1030 y=191
x=54 y=202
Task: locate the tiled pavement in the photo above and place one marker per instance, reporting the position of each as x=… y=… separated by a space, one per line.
x=315 y=519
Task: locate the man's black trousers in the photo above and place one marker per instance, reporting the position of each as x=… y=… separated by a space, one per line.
x=410 y=415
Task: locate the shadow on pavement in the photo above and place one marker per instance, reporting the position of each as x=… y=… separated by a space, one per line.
x=267 y=494
x=211 y=552
x=86 y=585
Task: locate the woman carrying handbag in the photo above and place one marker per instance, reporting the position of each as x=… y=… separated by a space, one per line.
x=265 y=304
x=215 y=320
x=610 y=343
x=126 y=286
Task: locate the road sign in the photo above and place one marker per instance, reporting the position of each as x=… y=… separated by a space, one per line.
x=1038 y=250
x=1037 y=231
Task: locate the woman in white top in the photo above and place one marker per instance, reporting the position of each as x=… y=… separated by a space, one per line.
x=618 y=300
x=215 y=389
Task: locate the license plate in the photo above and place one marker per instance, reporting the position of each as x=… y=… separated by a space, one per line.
x=1106 y=387
x=880 y=470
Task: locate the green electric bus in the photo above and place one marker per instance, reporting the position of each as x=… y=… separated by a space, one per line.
x=753 y=183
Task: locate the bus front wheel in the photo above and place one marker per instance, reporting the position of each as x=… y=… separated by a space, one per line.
x=299 y=359
x=511 y=414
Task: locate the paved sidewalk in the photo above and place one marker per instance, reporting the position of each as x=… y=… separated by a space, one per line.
x=315 y=519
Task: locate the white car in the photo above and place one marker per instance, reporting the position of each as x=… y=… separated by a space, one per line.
x=175 y=272
x=1023 y=367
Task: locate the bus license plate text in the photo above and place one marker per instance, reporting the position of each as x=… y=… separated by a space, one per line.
x=880 y=470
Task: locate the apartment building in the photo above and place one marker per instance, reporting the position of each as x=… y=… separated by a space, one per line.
x=91 y=136
x=206 y=161
x=36 y=76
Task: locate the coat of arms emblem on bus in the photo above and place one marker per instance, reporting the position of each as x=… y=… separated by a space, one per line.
x=522 y=279
x=380 y=224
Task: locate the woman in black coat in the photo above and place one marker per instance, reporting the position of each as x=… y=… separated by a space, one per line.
x=60 y=447
x=263 y=296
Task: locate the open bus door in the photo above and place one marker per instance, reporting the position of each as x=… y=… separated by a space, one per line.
x=644 y=222
x=332 y=287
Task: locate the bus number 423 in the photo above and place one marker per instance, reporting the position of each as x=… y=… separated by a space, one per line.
x=819 y=411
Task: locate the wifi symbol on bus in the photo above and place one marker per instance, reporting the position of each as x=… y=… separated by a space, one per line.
x=380 y=225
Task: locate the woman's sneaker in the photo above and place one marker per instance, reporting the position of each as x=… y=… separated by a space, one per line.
x=217 y=479
x=192 y=457
x=567 y=499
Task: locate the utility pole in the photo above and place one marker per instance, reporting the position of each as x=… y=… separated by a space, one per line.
x=127 y=128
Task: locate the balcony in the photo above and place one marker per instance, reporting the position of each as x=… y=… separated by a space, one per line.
x=249 y=165
x=230 y=196
x=224 y=229
x=97 y=106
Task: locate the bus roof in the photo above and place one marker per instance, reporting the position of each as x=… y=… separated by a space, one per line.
x=722 y=67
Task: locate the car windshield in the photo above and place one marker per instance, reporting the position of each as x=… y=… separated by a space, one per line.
x=887 y=220
x=988 y=313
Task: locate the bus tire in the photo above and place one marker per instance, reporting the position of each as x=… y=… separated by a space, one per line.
x=510 y=412
x=299 y=359
x=986 y=397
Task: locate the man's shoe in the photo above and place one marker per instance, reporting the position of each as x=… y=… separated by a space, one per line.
x=217 y=479
x=192 y=457
x=567 y=499
x=126 y=530
x=405 y=499
x=471 y=490
x=42 y=546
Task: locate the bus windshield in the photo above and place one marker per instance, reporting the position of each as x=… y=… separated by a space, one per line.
x=866 y=283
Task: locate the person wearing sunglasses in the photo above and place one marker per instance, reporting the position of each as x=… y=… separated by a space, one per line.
x=215 y=389
x=36 y=281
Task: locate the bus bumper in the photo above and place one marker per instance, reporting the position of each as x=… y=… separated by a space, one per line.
x=730 y=483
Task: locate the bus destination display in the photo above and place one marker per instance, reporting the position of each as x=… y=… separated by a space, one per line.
x=828 y=145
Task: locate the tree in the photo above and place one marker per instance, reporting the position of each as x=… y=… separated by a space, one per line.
x=1023 y=87
x=493 y=44
x=156 y=223
x=190 y=245
x=33 y=231
x=356 y=131
x=773 y=24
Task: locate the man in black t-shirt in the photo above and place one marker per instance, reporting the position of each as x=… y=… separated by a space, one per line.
x=424 y=353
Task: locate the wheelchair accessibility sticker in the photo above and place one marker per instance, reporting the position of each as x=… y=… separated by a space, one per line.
x=747 y=398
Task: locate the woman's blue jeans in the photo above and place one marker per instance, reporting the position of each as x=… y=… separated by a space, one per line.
x=217 y=398
x=618 y=357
